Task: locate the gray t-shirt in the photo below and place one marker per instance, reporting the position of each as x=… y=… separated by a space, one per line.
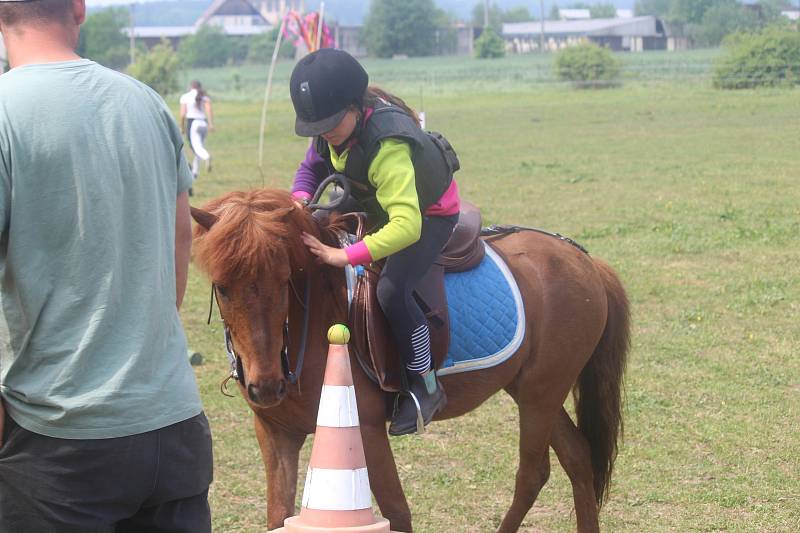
x=91 y=164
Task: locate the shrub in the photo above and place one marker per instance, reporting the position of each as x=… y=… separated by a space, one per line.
x=209 y=47
x=158 y=68
x=765 y=59
x=489 y=45
x=587 y=65
x=102 y=40
x=262 y=46
x=723 y=19
x=397 y=27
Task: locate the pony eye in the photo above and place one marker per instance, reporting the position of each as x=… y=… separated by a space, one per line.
x=221 y=290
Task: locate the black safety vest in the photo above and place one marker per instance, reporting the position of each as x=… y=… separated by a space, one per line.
x=433 y=158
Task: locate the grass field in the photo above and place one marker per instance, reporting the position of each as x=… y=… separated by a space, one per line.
x=690 y=193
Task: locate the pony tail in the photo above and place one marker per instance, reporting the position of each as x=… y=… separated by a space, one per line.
x=201 y=94
x=373 y=94
x=599 y=390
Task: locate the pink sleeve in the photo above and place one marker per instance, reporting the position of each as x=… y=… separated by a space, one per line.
x=358 y=254
x=301 y=195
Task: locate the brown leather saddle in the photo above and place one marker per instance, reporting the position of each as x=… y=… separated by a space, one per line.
x=371 y=340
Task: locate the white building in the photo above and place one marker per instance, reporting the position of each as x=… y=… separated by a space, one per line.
x=620 y=34
x=574 y=14
x=236 y=18
x=273 y=9
x=791 y=14
x=229 y=14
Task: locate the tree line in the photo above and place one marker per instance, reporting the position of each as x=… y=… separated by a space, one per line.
x=420 y=28
x=103 y=40
x=708 y=22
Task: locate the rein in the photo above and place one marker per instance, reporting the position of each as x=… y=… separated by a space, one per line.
x=237 y=370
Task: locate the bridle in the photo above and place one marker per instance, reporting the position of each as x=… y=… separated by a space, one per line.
x=237 y=370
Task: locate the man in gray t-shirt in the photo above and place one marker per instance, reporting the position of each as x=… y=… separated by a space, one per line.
x=101 y=425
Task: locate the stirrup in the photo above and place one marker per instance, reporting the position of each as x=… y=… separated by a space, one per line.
x=420 y=420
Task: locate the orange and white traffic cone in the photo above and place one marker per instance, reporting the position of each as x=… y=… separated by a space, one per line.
x=337 y=497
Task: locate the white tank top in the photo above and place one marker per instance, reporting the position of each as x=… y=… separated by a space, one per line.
x=192 y=110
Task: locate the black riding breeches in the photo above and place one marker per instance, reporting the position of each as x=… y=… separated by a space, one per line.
x=403 y=271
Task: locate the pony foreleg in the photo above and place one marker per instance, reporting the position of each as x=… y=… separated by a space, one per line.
x=280 y=450
x=574 y=455
x=383 y=478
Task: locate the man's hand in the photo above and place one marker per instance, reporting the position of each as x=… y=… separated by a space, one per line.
x=326 y=254
x=2 y=421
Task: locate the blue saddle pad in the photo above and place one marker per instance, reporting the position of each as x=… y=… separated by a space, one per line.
x=487 y=319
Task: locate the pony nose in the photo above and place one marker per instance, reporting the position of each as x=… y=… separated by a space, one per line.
x=268 y=392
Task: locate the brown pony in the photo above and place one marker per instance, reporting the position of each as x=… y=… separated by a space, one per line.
x=576 y=340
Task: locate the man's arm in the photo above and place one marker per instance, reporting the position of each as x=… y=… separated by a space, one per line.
x=183 y=245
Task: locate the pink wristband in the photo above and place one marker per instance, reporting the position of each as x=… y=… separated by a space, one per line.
x=358 y=254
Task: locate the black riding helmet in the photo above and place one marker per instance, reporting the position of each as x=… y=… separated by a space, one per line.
x=323 y=85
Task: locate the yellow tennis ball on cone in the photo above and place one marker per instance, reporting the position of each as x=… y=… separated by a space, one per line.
x=338 y=334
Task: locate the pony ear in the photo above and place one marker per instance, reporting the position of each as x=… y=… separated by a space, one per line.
x=204 y=218
x=281 y=213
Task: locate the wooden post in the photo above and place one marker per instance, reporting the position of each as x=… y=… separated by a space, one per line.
x=268 y=91
x=319 y=24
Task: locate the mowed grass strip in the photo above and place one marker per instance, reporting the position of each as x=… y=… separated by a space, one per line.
x=691 y=195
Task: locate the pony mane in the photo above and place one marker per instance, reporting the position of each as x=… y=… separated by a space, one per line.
x=255 y=229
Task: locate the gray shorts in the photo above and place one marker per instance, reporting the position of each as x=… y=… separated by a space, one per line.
x=152 y=482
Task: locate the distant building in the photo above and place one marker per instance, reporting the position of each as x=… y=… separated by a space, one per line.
x=241 y=18
x=273 y=9
x=791 y=14
x=230 y=14
x=574 y=14
x=634 y=34
x=152 y=35
x=236 y=18
x=348 y=38
x=465 y=39
x=586 y=14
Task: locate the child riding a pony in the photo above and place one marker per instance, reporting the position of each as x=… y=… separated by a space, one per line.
x=401 y=175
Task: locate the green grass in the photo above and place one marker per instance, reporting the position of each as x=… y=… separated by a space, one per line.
x=691 y=194
x=421 y=78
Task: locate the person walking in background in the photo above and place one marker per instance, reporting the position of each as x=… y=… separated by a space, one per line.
x=197 y=119
x=101 y=424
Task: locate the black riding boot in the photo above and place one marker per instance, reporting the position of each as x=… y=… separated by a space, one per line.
x=426 y=391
